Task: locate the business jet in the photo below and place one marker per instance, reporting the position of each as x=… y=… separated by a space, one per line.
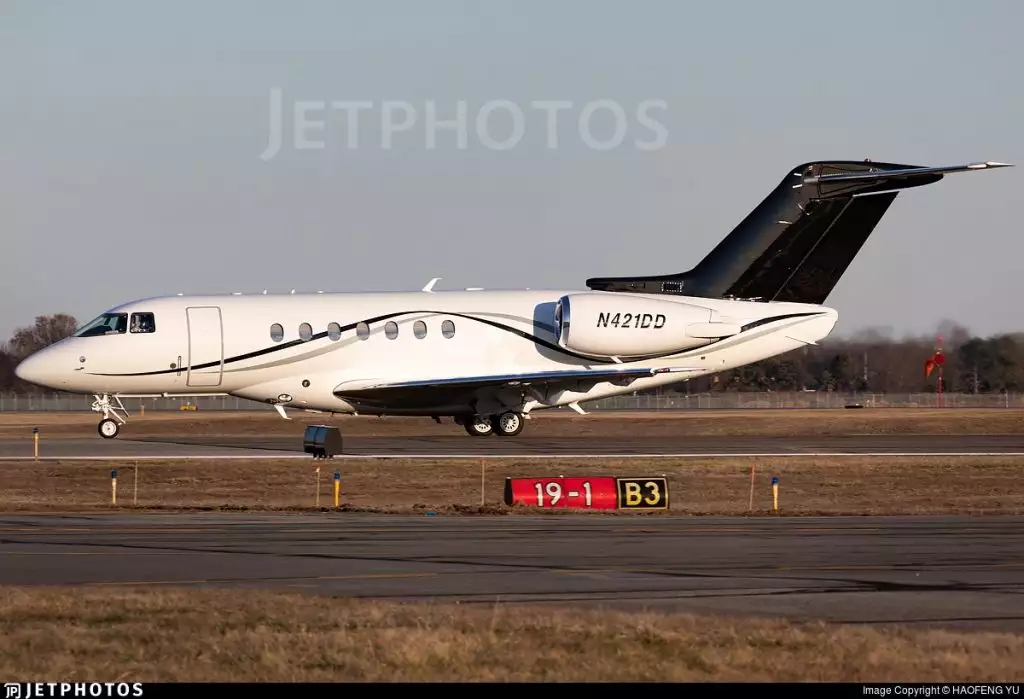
x=487 y=359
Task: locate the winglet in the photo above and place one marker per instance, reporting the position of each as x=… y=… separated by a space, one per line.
x=576 y=406
x=429 y=288
x=280 y=409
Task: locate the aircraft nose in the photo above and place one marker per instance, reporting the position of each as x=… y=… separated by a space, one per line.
x=36 y=368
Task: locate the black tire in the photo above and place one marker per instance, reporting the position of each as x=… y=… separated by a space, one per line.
x=508 y=424
x=108 y=428
x=478 y=427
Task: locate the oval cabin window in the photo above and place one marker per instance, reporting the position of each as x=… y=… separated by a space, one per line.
x=305 y=332
x=448 y=329
x=362 y=331
x=391 y=330
x=276 y=332
x=419 y=329
x=334 y=331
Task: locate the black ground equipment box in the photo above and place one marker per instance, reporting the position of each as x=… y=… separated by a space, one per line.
x=322 y=441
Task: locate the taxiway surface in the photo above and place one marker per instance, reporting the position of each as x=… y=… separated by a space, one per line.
x=523 y=446
x=941 y=570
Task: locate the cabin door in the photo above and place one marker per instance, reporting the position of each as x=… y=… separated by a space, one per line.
x=205 y=346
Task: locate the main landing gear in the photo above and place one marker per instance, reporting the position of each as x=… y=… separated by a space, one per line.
x=110 y=425
x=507 y=424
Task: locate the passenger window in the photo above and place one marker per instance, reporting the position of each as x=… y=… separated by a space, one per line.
x=448 y=329
x=391 y=329
x=305 y=332
x=362 y=331
x=276 y=332
x=334 y=331
x=419 y=329
x=143 y=323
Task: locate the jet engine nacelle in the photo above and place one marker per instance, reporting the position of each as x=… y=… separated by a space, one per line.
x=620 y=325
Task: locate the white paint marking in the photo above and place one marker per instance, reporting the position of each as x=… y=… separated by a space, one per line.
x=420 y=457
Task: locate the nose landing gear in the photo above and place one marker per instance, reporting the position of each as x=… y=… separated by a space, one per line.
x=110 y=425
x=108 y=428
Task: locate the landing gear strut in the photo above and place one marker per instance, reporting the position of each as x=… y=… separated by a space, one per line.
x=110 y=425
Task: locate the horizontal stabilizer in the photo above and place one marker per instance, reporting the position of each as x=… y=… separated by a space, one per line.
x=908 y=173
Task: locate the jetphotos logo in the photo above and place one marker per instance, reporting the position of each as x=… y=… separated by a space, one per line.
x=498 y=125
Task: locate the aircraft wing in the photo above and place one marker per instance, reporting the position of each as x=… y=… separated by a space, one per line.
x=366 y=387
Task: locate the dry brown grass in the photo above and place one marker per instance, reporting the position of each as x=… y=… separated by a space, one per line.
x=172 y=635
x=549 y=423
x=721 y=486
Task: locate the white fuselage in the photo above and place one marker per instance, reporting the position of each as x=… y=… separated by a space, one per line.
x=227 y=345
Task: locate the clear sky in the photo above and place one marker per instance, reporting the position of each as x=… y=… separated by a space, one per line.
x=133 y=134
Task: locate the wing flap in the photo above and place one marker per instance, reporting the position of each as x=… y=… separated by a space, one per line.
x=356 y=387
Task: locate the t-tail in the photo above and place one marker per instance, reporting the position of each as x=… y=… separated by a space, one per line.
x=797 y=243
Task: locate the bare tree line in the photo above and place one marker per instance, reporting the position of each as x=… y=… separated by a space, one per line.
x=870 y=360
x=873 y=360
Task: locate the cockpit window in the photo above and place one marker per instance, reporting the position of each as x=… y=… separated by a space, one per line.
x=143 y=323
x=106 y=324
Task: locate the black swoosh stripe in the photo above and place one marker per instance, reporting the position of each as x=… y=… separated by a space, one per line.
x=515 y=331
x=266 y=350
x=765 y=321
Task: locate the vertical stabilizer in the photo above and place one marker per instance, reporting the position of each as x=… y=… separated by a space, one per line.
x=797 y=243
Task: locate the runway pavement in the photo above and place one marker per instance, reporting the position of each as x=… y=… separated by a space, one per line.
x=522 y=446
x=943 y=570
